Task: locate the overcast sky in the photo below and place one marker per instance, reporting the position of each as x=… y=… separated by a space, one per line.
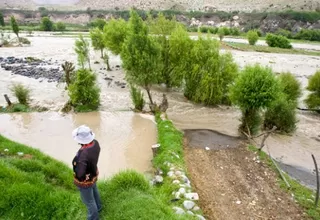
x=46 y=2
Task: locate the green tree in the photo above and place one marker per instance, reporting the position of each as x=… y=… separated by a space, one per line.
x=14 y=26
x=98 y=23
x=84 y=93
x=83 y=51
x=1 y=20
x=209 y=74
x=256 y=88
x=162 y=28
x=60 y=26
x=97 y=39
x=115 y=32
x=140 y=55
x=282 y=112
x=278 y=41
x=252 y=37
x=221 y=33
x=313 y=99
x=180 y=46
x=46 y=24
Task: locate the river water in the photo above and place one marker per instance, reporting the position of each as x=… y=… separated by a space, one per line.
x=126 y=137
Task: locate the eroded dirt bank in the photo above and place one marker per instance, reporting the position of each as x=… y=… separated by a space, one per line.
x=233 y=186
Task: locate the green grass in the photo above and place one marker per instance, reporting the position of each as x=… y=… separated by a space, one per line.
x=39 y=187
x=303 y=195
x=266 y=49
x=171 y=144
x=17 y=107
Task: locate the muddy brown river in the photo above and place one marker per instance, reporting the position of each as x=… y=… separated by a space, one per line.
x=126 y=137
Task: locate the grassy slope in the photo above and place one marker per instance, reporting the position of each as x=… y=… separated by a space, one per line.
x=171 y=141
x=303 y=195
x=41 y=188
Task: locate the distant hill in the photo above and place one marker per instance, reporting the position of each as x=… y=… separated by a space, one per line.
x=199 y=5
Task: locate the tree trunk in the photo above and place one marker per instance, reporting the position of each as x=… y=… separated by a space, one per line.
x=101 y=50
x=7 y=100
x=149 y=94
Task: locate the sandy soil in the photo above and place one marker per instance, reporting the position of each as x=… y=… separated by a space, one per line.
x=231 y=185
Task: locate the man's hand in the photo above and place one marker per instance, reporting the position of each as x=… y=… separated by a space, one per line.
x=87 y=177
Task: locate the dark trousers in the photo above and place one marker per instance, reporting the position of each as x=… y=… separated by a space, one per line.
x=91 y=198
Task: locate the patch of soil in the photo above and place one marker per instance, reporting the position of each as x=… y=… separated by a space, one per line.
x=27 y=156
x=232 y=185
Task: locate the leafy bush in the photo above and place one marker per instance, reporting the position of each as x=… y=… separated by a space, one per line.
x=98 y=23
x=306 y=34
x=46 y=24
x=204 y=29
x=282 y=114
x=60 y=26
x=84 y=93
x=255 y=88
x=313 y=99
x=21 y=92
x=221 y=34
x=284 y=33
x=290 y=86
x=208 y=73
x=234 y=31
x=252 y=37
x=278 y=41
x=137 y=98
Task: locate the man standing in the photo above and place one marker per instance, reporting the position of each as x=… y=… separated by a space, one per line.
x=86 y=171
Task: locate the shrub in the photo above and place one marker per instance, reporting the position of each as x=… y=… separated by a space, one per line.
x=84 y=93
x=255 y=88
x=98 y=23
x=137 y=98
x=290 y=86
x=14 y=26
x=282 y=114
x=252 y=37
x=46 y=24
x=204 y=29
x=306 y=34
x=1 y=20
x=278 y=41
x=209 y=74
x=24 y=40
x=60 y=26
x=313 y=99
x=21 y=92
x=235 y=31
x=284 y=33
x=221 y=34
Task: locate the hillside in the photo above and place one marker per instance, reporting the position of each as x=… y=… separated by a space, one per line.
x=200 y=5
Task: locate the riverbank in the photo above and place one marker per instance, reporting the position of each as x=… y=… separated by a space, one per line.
x=37 y=186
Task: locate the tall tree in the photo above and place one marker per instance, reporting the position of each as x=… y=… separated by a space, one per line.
x=46 y=24
x=115 y=32
x=2 y=20
x=83 y=51
x=15 y=26
x=97 y=39
x=140 y=55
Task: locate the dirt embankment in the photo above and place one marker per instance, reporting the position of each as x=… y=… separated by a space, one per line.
x=222 y=5
x=233 y=183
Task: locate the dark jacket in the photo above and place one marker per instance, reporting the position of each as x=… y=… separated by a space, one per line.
x=85 y=163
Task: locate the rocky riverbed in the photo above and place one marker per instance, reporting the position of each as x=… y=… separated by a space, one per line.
x=33 y=68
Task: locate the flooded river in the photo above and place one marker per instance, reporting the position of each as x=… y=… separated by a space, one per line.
x=126 y=137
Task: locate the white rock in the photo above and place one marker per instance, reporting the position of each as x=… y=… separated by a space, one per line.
x=155 y=146
x=158 y=179
x=173 y=176
x=196 y=208
x=6 y=150
x=188 y=204
x=176 y=182
x=177 y=195
x=182 y=191
x=171 y=168
x=200 y=217
x=190 y=213
x=192 y=196
x=20 y=153
x=170 y=173
x=207 y=148
x=178 y=173
x=235 y=17
x=179 y=210
x=238 y=202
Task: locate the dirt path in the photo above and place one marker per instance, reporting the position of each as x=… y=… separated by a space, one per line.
x=231 y=185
